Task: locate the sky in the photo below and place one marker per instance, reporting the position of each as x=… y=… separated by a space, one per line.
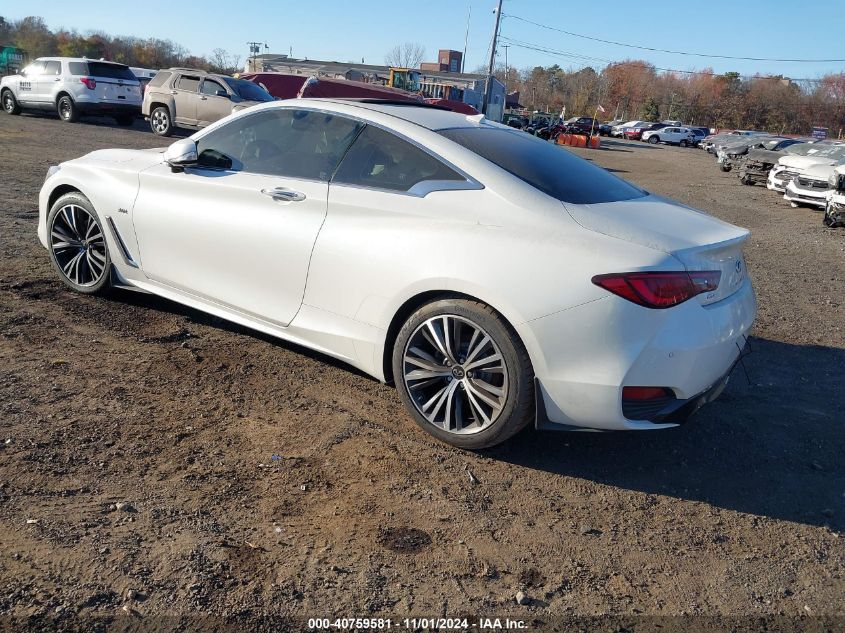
x=350 y=30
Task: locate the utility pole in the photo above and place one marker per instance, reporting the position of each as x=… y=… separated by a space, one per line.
x=507 y=70
x=254 y=50
x=489 y=87
x=466 y=39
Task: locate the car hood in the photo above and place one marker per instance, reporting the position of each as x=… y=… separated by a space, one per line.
x=804 y=162
x=655 y=222
x=765 y=155
x=819 y=172
x=128 y=158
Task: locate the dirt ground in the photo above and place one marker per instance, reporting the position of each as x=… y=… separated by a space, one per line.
x=159 y=465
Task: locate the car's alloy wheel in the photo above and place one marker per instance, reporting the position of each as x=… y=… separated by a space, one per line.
x=455 y=374
x=9 y=103
x=160 y=122
x=78 y=246
x=67 y=110
x=463 y=373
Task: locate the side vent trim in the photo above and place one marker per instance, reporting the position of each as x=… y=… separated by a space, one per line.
x=127 y=256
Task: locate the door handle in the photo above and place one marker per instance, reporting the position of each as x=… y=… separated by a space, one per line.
x=203 y=98
x=284 y=194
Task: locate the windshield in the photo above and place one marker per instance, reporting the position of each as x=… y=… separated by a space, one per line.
x=547 y=167
x=801 y=149
x=836 y=152
x=247 y=90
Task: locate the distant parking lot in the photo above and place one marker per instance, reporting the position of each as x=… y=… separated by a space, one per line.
x=150 y=448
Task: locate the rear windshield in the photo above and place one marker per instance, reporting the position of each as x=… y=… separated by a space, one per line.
x=103 y=70
x=248 y=90
x=545 y=166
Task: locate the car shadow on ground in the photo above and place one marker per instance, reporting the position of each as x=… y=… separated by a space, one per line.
x=154 y=302
x=772 y=445
x=139 y=125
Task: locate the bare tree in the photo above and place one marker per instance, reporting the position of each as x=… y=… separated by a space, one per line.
x=407 y=55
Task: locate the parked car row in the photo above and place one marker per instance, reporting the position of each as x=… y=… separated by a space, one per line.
x=808 y=172
x=178 y=97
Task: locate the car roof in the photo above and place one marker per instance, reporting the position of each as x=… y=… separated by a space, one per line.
x=422 y=114
x=78 y=59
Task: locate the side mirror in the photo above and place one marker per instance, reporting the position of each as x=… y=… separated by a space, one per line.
x=181 y=154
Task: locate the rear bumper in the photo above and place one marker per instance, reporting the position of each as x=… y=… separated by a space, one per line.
x=688 y=349
x=108 y=108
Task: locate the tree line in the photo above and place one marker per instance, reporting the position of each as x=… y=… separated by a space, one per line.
x=33 y=36
x=635 y=89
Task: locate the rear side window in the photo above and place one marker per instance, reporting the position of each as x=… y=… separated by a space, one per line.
x=545 y=166
x=160 y=79
x=191 y=84
x=382 y=160
x=78 y=69
x=53 y=68
x=110 y=71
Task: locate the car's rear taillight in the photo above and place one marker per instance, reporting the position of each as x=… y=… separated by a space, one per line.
x=89 y=82
x=659 y=289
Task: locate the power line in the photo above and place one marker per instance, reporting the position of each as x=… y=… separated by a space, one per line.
x=663 y=50
x=566 y=54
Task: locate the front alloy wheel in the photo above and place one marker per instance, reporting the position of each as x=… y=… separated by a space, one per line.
x=9 y=104
x=463 y=373
x=78 y=247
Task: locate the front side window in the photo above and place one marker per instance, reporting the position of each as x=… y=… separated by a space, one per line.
x=280 y=142
x=547 y=167
x=188 y=83
x=210 y=87
x=382 y=160
x=33 y=70
x=53 y=68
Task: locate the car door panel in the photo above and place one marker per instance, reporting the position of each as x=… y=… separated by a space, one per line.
x=185 y=97
x=215 y=234
x=210 y=106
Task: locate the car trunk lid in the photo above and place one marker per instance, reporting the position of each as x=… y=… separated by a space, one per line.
x=699 y=241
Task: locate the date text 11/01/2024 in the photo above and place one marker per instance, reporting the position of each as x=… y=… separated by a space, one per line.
x=414 y=624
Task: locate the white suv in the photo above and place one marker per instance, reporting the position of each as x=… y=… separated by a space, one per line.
x=74 y=87
x=682 y=136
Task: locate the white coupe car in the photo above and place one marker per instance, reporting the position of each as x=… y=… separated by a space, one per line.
x=496 y=279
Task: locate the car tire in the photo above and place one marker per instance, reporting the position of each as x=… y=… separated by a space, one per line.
x=456 y=400
x=654 y=140
x=161 y=122
x=67 y=110
x=745 y=180
x=10 y=104
x=77 y=245
x=125 y=120
x=725 y=167
x=683 y=143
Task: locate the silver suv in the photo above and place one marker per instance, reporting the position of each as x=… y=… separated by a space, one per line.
x=183 y=97
x=73 y=86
